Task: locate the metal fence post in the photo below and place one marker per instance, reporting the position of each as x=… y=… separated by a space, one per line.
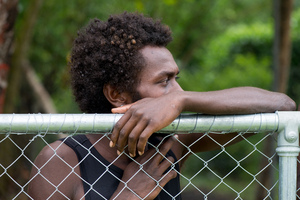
x=288 y=150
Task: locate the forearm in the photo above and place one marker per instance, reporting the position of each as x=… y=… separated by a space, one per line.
x=122 y=193
x=241 y=100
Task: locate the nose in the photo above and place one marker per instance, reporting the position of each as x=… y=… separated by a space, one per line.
x=176 y=87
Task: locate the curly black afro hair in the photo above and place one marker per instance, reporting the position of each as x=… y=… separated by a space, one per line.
x=107 y=52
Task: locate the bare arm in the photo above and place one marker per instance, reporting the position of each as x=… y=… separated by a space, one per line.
x=55 y=179
x=241 y=100
x=150 y=115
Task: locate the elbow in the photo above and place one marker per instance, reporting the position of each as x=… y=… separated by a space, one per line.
x=287 y=104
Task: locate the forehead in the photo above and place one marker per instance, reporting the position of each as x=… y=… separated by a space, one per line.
x=158 y=59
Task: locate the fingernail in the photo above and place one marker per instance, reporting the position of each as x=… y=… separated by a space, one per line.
x=131 y=155
x=118 y=152
x=111 y=144
x=140 y=153
x=176 y=136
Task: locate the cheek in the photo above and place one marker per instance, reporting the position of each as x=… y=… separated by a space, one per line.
x=152 y=91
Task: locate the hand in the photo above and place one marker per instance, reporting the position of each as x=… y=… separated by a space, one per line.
x=141 y=120
x=148 y=181
x=122 y=109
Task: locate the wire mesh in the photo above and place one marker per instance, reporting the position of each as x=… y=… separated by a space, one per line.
x=230 y=172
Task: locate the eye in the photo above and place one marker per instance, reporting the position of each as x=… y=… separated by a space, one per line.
x=177 y=77
x=164 y=81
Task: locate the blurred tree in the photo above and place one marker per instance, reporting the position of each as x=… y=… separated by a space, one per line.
x=282 y=10
x=194 y=24
x=36 y=98
x=8 y=15
x=212 y=42
x=22 y=79
x=294 y=83
x=241 y=56
x=282 y=43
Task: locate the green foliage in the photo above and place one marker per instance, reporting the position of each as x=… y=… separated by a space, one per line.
x=217 y=44
x=52 y=39
x=294 y=83
x=239 y=57
x=194 y=24
x=212 y=51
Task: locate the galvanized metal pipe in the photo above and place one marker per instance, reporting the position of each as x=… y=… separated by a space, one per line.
x=288 y=150
x=102 y=123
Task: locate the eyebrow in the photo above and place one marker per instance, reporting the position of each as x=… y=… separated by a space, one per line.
x=168 y=73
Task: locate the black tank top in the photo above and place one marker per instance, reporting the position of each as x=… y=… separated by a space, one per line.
x=100 y=178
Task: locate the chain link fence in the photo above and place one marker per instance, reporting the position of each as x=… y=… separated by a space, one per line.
x=240 y=171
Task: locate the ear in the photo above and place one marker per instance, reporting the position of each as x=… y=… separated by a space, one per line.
x=115 y=97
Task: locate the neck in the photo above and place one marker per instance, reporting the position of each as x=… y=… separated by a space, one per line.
x=101 y=144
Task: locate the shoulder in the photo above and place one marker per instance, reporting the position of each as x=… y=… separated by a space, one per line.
x=57 y=152
x=55 y=166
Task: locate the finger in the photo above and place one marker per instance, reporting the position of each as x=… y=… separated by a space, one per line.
x=121 y=109
x=117 y=128
x=134 y=136
x=165 y=164
x=125 y=132
x=143 y=139
x=165 y=148
x=167 y=177
x=147 y=156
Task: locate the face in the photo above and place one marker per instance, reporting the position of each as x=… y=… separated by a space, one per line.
x=160 y=73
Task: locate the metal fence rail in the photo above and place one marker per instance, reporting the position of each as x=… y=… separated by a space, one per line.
x=102 y=123
x=285 y=123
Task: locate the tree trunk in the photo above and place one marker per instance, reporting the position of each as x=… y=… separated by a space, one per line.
x=22 y=44
x=8 y=14
x=282 y=44
x=22 y=79
x=298 y=171
x=281 y=61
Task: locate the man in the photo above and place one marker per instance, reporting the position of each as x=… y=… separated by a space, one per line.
x=123 y=64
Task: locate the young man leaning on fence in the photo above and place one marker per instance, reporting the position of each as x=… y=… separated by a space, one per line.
x=116 y=63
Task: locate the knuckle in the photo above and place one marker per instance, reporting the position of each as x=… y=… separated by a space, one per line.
x=143 y=139
x=134 y=107
x=171 y=160
x=131 y=138
x=117 y=126
x=138 y=114
x=152 y=124
x=151 y=121
x=147 y=120
x=122 y=133
x=163 y=149
x=173 y=174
